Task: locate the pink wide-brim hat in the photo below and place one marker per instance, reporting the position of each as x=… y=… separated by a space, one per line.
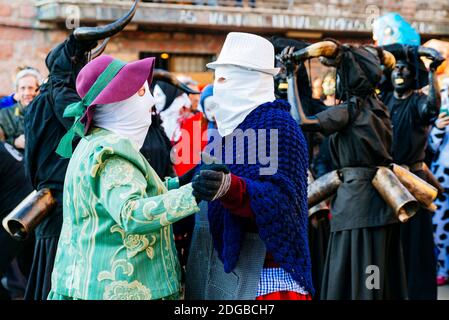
x=123 y=86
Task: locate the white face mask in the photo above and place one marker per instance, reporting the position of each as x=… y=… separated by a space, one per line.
x=170 y=117
x=130 y=118
x=237 y=92
x=159 y=98
x=209 y=107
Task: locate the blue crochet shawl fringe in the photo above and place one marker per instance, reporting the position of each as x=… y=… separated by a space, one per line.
x=278 y=201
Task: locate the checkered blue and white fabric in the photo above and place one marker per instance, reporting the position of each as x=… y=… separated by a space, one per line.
x=277 y=279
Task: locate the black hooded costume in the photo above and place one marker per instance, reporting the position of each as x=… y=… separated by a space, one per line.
x=411 y=118
x=156 y=148
x=44 y=128
x=364 y=229
x=318 y=231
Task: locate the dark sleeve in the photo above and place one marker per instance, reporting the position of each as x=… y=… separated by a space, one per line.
x=427 y=115
x=333 y=119
x=312 y=106
x=62 y=97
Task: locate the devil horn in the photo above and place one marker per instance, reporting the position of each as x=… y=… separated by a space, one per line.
x=102 y=32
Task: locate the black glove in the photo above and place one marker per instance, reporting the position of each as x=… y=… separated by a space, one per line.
x=286 y=58
x=436 y=63
x=188 y=176
x=215 y=167
x=209 y=185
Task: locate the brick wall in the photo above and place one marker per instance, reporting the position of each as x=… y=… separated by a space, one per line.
x=26 y=41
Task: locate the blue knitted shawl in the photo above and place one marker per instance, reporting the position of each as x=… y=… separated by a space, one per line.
x=279 y=201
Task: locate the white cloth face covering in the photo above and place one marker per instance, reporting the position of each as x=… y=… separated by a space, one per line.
x=130 y=118
x=170 y=116
x=237 y=92
x=209 y=107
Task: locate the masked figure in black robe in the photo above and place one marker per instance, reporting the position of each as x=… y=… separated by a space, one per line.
x=44 y=128
x=364 y=239
x=412 y=113
x=318 y=224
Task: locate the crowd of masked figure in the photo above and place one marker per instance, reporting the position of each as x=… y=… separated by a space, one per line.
x=176 y=112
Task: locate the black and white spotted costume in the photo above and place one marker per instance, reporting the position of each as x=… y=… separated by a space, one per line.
x=439 y=143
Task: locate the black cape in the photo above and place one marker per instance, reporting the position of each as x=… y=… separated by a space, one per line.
x=44 y=128
x=44 y=122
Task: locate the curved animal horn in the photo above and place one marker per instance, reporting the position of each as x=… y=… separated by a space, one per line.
x=326 y=49
x=100 y=49
x=98 y=33
x=389 y=61
x=429 y=53
x=165 y=76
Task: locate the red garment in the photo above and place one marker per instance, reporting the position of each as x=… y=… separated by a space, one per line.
x=284 y=295
x=192 y=130
x=236 y=199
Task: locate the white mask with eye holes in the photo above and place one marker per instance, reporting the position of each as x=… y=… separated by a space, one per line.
x=209 y=108
x=237 y=92
x=130 y=118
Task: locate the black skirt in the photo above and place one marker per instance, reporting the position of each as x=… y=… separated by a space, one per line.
x=365 y=264
x=419 y=256
x=47 y=236
x=39 y=282
x=319 y=232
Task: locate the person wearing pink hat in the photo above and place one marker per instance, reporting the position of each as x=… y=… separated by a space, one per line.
x=116 y=240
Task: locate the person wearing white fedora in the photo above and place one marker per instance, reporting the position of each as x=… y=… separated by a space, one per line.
x=250 y=240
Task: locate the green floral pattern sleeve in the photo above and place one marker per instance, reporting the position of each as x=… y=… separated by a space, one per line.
x=117 y=240
x=171 y=183
x=122 y=192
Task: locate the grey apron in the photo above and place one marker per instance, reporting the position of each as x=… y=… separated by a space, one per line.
x=205 y=276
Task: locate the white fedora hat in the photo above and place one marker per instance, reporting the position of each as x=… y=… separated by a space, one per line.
x=248 y=51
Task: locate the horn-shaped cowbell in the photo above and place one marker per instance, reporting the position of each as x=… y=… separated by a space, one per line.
x=328 y=49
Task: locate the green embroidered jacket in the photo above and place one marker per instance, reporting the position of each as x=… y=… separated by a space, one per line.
x=117 y=240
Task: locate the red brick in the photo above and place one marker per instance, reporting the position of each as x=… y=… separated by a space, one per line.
x=7 y=51
x=5 y=10
x=27 y=11
x=150 y=35
x=182 y=36
x=15 y=34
